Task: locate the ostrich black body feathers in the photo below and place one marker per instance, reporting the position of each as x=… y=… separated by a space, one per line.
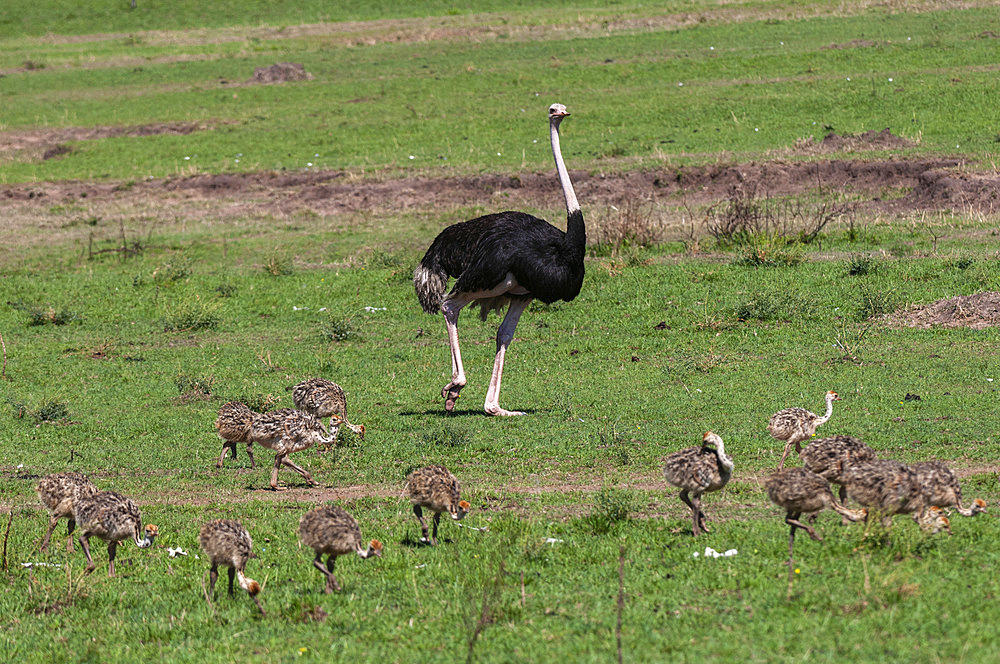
x=545 y=261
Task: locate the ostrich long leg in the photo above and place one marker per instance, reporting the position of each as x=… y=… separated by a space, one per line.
x=250 y=454
x=694 y=511
x=505 y=334
x=784 y=455
x=48 y=535
x=451 y=307
x=86 y=551
x=274 y=473
x=420 y=517
x=300 y=470
x=112 y=550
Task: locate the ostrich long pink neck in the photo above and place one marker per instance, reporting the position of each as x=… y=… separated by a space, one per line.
x=567 y=186
x=828 y=413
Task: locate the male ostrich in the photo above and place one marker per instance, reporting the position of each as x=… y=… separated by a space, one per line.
x=794 y=425
x=113 y=518
x=435 y=488
x=58 y=493
x=699 y=470
x=324 y=398
x=939 y=484
x=227 y=542
x=502 y=259
x=233 y=426
x=832 y=457
x=329 y=529
x=284 y=431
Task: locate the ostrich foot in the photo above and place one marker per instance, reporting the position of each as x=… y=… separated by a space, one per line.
x=278 y=487
x=500 y=412
x=450 y=393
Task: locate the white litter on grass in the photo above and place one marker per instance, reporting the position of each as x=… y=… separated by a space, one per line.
x=176 y=552
x=295 y=308
x=40 y=565
x=484 y=529
x=419 y=566
x=322 y=309
x=712 y=553
x=21 y=465
x=372 y=309
x=553 y=540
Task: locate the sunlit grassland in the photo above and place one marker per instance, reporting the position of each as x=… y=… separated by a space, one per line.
x=738 y=89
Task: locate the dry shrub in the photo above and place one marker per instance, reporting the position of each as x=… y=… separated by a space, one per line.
x=630 y=223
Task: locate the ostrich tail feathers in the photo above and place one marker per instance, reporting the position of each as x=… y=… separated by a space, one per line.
x=430 y=284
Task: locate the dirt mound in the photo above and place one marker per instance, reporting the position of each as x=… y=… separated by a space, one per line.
x=938 y=189
x=976 y=312
x=280 y=73
x=866 y=142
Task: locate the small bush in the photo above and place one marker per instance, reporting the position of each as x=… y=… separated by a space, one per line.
x=767 y=250
x=191 y=315
x=187 y=385
x=47 y=315
x=278 y=266
x=380 y=259
x=859 y=265
x=962 y=262
x=51 y=411
x=337 y=329
x=874 y=302
x=616 y=444
x=170 y=273
x=258 y=403
x=772 y=306
x=611 y=508
x=20 y=408
x=225 y=290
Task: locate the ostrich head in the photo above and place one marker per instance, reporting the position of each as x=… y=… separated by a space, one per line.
x=151 y=531
x=247 y=584
x=978 y=505
x=557 y=112
x=374 y=549
x=832 y=396
x=710 y=438
x=459 y=511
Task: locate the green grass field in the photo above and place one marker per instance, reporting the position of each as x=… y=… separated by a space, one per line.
x=135 y=303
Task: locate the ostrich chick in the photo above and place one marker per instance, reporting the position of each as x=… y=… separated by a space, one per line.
x=888 y=487
x=435 y=488
x=285 y=431
x=330 y=530
x=58 y=493
x=699 y=470
x=324 y=398
x=226 y=542
x=794 y=425
x=233 y=426
x=798 y=491
x=832 y=457
x=939 y=484
x=113 y=518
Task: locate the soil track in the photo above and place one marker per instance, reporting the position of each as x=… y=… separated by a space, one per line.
x=922 y=184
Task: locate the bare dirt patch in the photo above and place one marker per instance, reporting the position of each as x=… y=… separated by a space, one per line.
x=46 y=212
x=280 y=73
x=19 y=145
x=976 y=312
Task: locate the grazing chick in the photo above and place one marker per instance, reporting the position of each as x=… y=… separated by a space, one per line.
x=888 y=487
x=330 y=530
x=794 y=425
x=226 y=542
x=436 y=489
x=233 y=426
x=939 y=484
x=113 y=518
x=798 y=491
x=58 y=493
x=324 y=398
x=285 y=431
x=832 y=457
x=699 y=470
